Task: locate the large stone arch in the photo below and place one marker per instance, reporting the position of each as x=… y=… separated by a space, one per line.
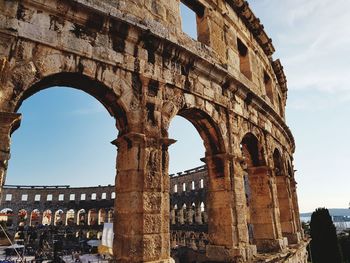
x=284 y=195
x=262 y=215
x=210 y=124
x=104 y=94
x=153 y=70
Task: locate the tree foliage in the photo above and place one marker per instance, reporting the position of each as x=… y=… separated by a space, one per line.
x=344 y=242
x=324 y=243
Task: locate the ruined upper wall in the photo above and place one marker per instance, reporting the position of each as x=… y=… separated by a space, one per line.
x=228 y=34
x=230 y=62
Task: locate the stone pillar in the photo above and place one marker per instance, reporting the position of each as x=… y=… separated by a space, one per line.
x=190 y=215
x=141 y=223
x=242 y=209
x=173 y=240
x=201 y=244
x=199 y=215
x=264 y=215
x=287 y=216
x=222 y=231
x=299 y=228
x=193 y=244
x=9 y=122
x=180 y=215
x=15 y=218
x=205 y=217
x=75 y=218
x=172 y=216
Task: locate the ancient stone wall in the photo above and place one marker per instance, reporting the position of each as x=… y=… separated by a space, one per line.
x=62 y=197
x=133 y=57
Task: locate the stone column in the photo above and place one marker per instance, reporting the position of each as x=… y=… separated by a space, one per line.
x=193 y=244
x=222 y=229
x=141 y=223
x=298 y=226
x=242 y=209
x=15 y=218
x=264 y=210
x=9 y=122
x=205 y=217
x=172 y=216
x=75 y=218
x=198 y=215
x=180 y=214
x=173 y=240
x=190 y=215
x=287 y=216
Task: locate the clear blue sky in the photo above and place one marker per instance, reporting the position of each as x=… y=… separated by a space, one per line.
x=65 y=134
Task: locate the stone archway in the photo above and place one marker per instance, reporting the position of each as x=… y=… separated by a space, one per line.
x=217 y=211
x=140 y=65
x=285 y=199
x=47 y=217
x=263 y=229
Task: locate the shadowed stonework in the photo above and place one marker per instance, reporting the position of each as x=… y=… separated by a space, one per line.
x=133 y=57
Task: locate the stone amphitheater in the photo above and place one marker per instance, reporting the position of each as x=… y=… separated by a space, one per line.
x=133 y=57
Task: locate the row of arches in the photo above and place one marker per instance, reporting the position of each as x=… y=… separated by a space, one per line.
x=188 y=214
x=88 y=234
x=71 y=217
x=194 y=240
x=269 y=194
x=259 y=179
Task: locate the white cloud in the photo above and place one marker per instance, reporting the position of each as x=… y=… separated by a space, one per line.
x=312 y=39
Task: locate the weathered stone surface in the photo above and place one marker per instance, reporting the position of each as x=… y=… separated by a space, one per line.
x=133 y=57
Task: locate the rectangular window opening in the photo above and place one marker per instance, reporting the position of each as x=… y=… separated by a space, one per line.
x=83 y=197
x=104 y=196
x=268 y=87
x=60 y=197
x=71 y=197
x=93 y=196
x=49 y=197
x=24 y=197
x=37 y=198
x=244 y=63
x=192 y=12
x=8 y=197
x=280 y=105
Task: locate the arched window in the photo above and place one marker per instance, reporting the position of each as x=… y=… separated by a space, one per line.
x=202 y=206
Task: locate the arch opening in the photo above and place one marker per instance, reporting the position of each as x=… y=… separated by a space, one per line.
x=35 y=218
x=284 y=195
x=260 y=216
x=74 y=85
x=199 y=139
x=7 y=216
x=47 y=217
x=105 y=95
